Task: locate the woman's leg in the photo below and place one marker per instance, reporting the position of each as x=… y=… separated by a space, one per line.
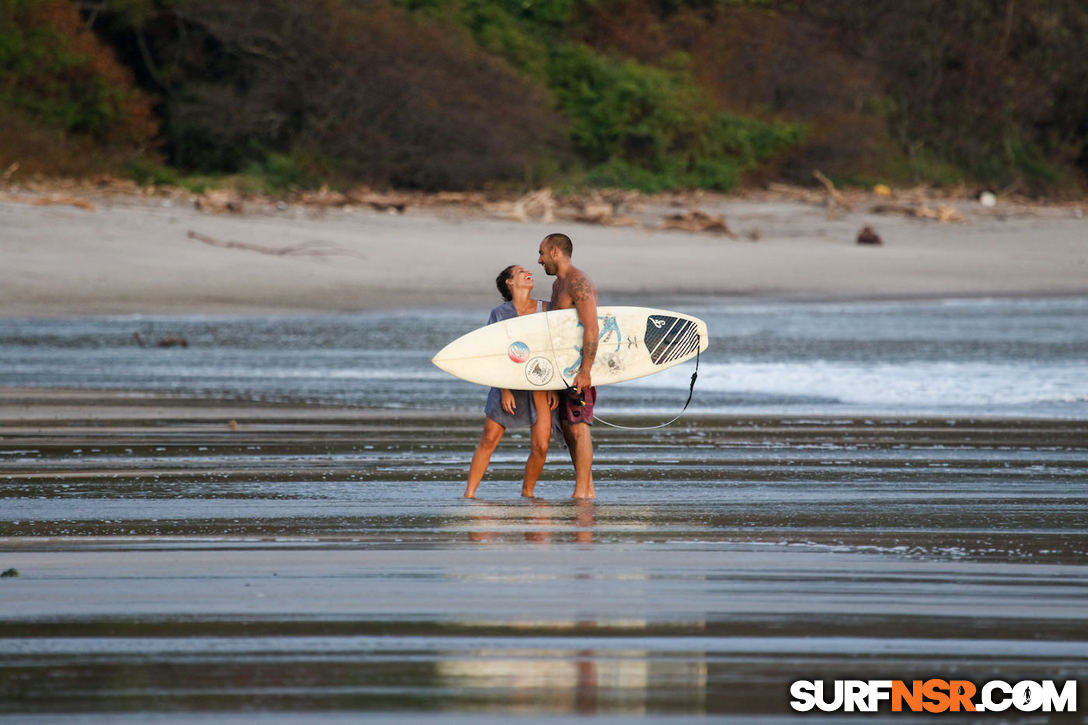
x=482 y=457
x=539 y=439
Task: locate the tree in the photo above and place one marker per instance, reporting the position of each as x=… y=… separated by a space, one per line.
x=356 y=93
x=56 y=72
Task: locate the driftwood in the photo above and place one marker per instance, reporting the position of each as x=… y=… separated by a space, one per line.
x=795 y=193
x=698 y=221
x=323 y=198
x=51 y=201
x=379 y=202
x=224 y=200
x=597 y=216
x=305 y=249
x=599 y=208
x=539 y=204
x=467 y=198
x=120 y=186
x=363 y=196
x=163 y=341
x=834 y=196
x=219 y=200
x=942 y=213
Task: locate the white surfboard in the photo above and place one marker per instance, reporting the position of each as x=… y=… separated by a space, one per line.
x=543 y=351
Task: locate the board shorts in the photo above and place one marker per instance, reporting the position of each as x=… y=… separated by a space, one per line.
x=576 y=407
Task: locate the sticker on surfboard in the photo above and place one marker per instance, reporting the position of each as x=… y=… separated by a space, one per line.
x=670 y=338
x=518 y=351
x=539 y=371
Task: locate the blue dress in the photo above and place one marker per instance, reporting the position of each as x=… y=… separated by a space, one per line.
x=524 y=412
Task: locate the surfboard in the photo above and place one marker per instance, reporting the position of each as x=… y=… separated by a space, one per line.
x=543 y=351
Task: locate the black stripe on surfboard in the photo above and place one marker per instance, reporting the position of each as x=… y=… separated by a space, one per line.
x=670 y=338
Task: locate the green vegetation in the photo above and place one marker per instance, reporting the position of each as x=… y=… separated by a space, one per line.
x=652 y=129
x=646 y=94
x=64 y=77
x=66 y=104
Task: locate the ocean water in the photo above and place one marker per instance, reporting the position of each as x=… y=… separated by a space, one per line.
x=997 y=357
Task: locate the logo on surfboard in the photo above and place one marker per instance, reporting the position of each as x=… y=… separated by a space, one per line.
x=518 y=352
x=539 y=371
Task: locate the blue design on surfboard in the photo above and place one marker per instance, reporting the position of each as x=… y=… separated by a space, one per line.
x=607 y=327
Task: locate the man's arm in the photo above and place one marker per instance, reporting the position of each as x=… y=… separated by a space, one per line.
x=585 y=302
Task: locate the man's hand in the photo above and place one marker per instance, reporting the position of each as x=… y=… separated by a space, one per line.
x=508 y=401
x=582 y=381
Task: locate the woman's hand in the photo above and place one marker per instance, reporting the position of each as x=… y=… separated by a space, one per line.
x=508 y=403
x=553 y=399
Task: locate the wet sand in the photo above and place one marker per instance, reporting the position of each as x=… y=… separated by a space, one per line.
x=318 y=561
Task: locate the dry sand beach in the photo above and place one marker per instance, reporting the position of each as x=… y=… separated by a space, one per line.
x=135 y=255
x=882 y=474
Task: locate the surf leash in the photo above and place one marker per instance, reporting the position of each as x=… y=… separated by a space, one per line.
x=691 y=392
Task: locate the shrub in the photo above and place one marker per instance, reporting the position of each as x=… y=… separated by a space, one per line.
x=995 y=90
x=316 y=91
x=56 y=72
x=44 y=150
x=631 y=124
x=652 y=128
x=500 y=33
x=149 y=173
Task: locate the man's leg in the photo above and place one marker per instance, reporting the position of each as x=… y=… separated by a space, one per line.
x=489 y=440
x=581 y=455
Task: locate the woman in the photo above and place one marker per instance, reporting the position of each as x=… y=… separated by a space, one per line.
x=506 y=408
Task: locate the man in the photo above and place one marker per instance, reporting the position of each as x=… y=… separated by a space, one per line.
x=574 y=289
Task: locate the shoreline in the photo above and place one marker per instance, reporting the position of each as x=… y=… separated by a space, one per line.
x=651 y=299
x=133 y=254
x=28 y=408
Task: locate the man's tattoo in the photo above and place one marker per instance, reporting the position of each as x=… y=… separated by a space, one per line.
x=580 y=289
x=589 y=350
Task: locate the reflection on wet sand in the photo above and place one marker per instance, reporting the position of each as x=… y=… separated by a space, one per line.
x=535 y=521
x=583 y=681
x=321 y=561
